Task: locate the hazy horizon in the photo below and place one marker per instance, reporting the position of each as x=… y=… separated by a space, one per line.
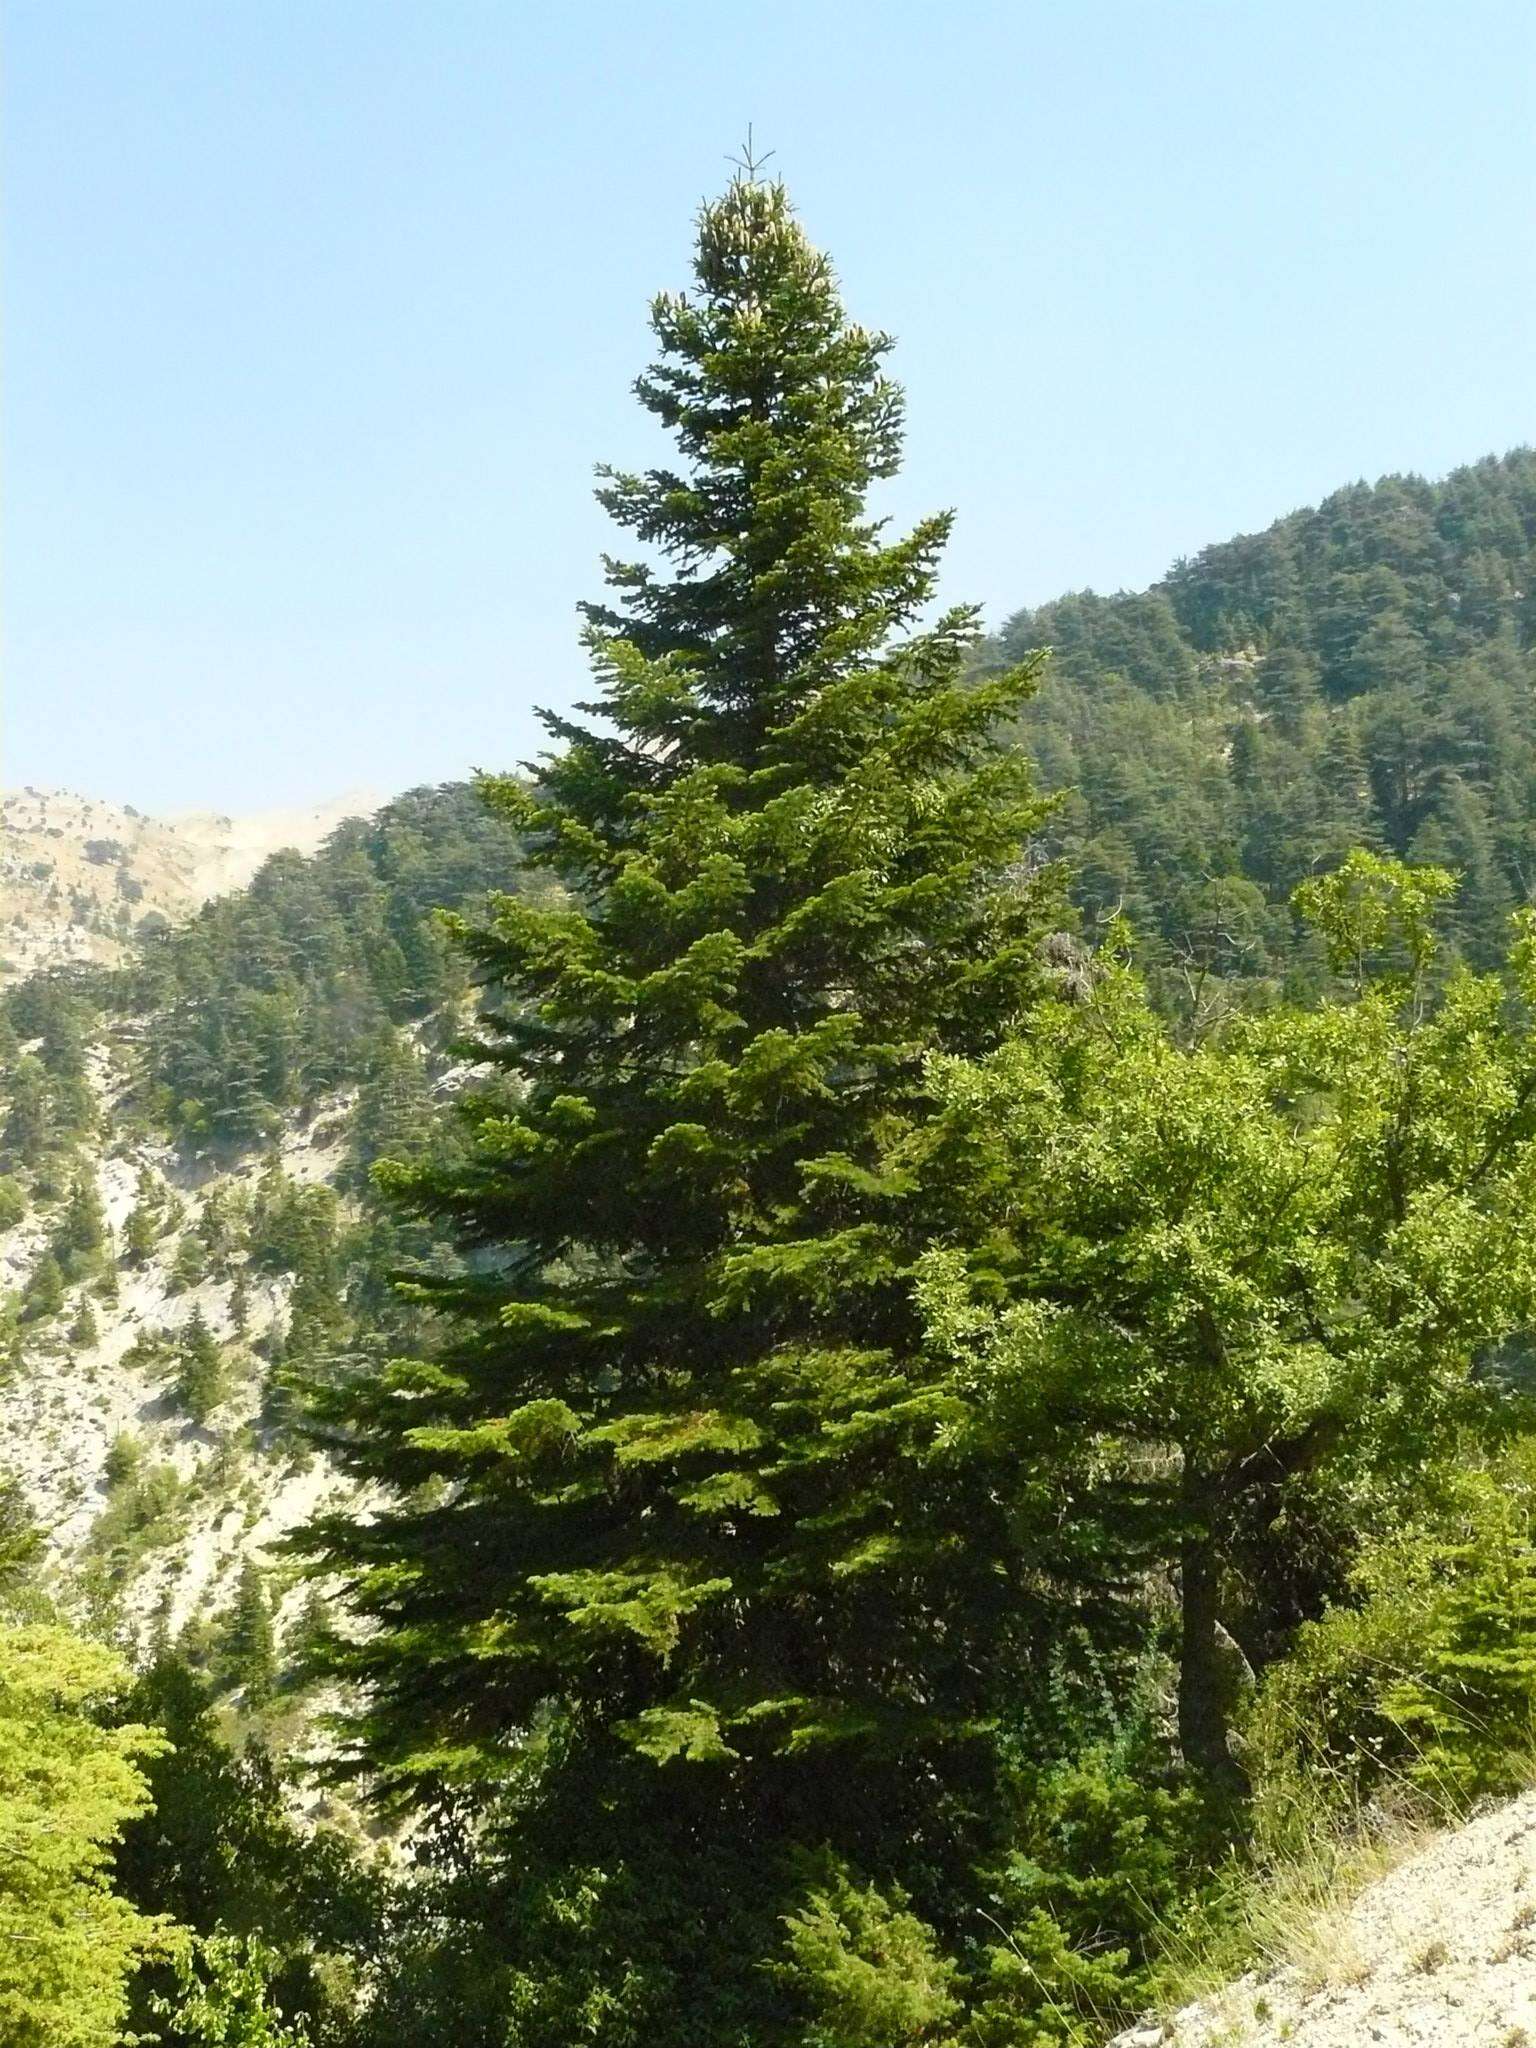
x=318 y=320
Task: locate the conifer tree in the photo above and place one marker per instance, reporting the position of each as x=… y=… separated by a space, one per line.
x=247 y=1652
x=393 y=1109
x=703 y=1574
x=199 y=1368
x=28 y=1127
x=45 y=1290
x=1287 y=682
x=216 y=1225
x=125 y=1459
x=146 y=1221
x=240 y=1302
x=82 y=1229
x=141 y=1235
x=317 y=1319
x=190 y=1265
x=311 y=1633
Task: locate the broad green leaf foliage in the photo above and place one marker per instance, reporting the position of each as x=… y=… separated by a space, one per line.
x=1250 y=1270
x=67 y=1785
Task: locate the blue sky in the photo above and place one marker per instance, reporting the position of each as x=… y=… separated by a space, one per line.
x=318 y=314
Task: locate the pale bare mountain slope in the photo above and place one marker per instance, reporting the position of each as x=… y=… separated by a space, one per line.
x=78 y=875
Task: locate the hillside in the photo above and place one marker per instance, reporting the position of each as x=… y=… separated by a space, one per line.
x=164 y=1260
x=1359 y=673
x=150 y=1507
x=296 y=1024
x=79 y=876
x=201 y=1337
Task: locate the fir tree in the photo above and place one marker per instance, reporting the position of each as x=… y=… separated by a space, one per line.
x=311 y=1634
x=701 y=1530
x=216 y=1228
x=45 y=1290
x=199 y=1368
x=1287 y=682
x=146 y=1222
x=190 y=1265
x=393 y=1110
x=247 y=1650
x=82 y=1229
x=240 y=1302
x=125 y=1459
x=28 y=1128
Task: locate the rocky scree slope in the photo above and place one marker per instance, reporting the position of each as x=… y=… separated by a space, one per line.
x=188 y=1230
x=157 y=1506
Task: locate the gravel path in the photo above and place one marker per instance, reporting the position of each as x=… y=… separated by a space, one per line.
x=1439 y=1953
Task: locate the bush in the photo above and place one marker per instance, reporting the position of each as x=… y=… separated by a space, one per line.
x=1112 y=1854
x=868 y=1970
x=1469 y=1711
x=140 y=1512
x=44 y=1295
x=1425 y=1686
x=125 y=1459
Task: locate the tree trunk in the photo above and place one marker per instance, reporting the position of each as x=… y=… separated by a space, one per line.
x=1206 y=1680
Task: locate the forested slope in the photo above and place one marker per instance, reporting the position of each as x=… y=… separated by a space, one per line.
x=80 y=878
x=1358 y=673
x=297 y=985
x=187 y=1221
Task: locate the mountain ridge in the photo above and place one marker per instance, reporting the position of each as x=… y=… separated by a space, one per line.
x=79 y=875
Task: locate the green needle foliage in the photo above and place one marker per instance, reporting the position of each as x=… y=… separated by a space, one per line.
x=674 y=1543
x=200 y=1382
x=44 y=1296
x=248 y=1650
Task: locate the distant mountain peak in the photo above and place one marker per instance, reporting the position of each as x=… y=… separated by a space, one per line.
x=79 y=874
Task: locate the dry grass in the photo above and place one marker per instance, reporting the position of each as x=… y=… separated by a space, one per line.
x=1293 y=1913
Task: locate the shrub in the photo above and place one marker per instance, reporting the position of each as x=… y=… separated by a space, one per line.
x=1427 y=1684
x=868 y=1970
x=45 y=1290
x=1110 y=1856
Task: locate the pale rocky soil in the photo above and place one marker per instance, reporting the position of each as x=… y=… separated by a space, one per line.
x=59 y=1419
x=77 y=874
x=1439 y=1953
